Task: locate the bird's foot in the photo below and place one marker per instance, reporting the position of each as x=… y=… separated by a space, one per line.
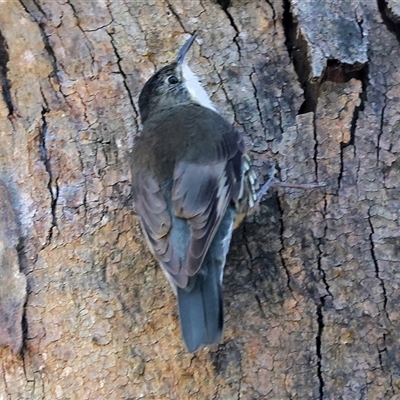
x=272 y=181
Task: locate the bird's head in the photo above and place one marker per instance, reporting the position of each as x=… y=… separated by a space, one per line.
x=172 y=86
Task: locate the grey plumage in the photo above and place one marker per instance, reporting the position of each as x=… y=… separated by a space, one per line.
x=188 y=167
x=200 y=303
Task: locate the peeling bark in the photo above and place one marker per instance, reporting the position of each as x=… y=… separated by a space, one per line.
x=311 y=288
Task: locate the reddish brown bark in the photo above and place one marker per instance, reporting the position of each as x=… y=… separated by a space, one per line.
x=311 y=287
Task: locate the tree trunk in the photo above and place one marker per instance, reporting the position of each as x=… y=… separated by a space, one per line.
x=312 y=282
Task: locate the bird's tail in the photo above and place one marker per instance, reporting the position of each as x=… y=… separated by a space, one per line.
x=200 y=303
x=200 y=310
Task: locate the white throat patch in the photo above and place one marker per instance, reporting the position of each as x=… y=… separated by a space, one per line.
x=195 y=88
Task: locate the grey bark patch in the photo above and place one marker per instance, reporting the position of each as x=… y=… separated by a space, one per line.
x=333 y=30
x=12 y=281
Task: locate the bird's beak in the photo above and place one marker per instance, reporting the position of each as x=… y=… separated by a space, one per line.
x=185 y=48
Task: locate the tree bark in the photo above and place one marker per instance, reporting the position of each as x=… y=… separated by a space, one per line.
x=312 y=282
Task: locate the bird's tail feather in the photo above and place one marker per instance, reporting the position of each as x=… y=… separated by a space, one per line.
x=200 y=303
x=200 y=309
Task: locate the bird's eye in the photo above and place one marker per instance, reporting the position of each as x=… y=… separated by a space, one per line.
x=173 y=80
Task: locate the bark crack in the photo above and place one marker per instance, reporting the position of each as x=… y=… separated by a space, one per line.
x=124 y=78
x=273 y=13
x=228 y=99
x=389 y=19
x=45 y=38
x=224 y=3
x=282 y=258
x=240 y=376
x=176 y=15
x=360 y=22
x=321 y=252
x=381 y=351
x=85 y=184
x=316 y=144
x=382 y=119
x=24 y=320
x=297 y=49
x=376 y=264
x=335 y=71
x=298 y=53
x=86 y=42
x=339 y=72
x=361 y=74
x=320 y=307
x=383 y=364
x=5 y=382
x=258 y=101
x=237 y=32
x=51 y=54
x=4 y=81
x=52 y=184
x=318 y=344
x=383 y=355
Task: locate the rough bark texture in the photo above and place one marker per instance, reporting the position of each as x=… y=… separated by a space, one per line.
x=13 y=282
x=312 y=283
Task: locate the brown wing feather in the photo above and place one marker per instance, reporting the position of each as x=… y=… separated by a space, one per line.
x=155 y=219
x=201 y=194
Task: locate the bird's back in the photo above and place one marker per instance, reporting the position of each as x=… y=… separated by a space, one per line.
x=189 y=133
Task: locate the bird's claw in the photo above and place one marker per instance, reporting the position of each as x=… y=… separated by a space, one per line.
x=272 y=181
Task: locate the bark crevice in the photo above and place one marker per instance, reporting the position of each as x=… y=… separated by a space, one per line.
x=321 y=252
x=236 y=29
x=341 y=73
x=273 y=13
x=318 y=344
x=124 y=79
x=376 y=265
x=391 y=20
x=52 y=184
x=257 y=101
x=381 y=125
x=176 y=15
x=87 y=43
x=281 y=250
x=297 y=48
x=22 y=263
x=4 y=81
x=41 y=25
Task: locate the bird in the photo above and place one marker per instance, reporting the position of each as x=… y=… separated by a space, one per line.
x=192 y=184
x=191 y=179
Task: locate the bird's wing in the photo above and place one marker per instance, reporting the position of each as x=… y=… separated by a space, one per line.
x=201 y=193
x=156 y=221
x=180 y=229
